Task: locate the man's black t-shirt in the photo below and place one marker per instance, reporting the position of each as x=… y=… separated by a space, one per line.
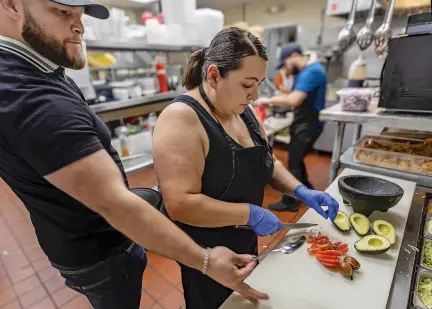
x=45 y=124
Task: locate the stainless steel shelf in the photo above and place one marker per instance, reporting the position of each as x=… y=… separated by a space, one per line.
x=138 y=46
x=122 y=67
x=347 y=161
x=379 y=117
x=110 y=106
x=137 y=163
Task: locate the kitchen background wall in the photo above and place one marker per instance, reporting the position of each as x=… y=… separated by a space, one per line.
x=305 y=12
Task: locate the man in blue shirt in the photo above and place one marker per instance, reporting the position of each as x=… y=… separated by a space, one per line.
x=307 y=99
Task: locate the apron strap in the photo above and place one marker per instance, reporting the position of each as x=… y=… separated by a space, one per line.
x=213 y=109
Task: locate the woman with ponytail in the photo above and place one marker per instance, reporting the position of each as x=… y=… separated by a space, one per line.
x=213 y=161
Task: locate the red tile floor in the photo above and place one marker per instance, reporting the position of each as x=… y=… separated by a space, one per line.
x=27 y=281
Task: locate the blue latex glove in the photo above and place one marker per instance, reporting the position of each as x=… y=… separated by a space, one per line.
x=263 y=222
x=314 y=199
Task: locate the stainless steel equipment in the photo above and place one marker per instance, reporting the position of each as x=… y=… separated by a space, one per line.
x=365 y=35
x=384 y=33
x=419 y=24
x=406 y=83
x=347 y=36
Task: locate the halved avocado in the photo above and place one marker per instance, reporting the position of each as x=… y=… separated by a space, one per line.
x=342 y=221
x=386 y=229
x=360 y=223
x=372 y=244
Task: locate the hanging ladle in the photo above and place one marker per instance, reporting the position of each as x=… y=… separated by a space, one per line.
x=347 y=35
x=365 y=36
x=384 y=33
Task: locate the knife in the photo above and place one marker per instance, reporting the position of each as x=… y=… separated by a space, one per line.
x=288 y=226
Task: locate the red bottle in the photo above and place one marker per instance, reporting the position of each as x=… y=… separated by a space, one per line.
x=146 y=16
x=261 y=112
x=162 y=78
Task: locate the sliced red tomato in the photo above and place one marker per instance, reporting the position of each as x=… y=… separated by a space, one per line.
x=322 y=242
x=326 y=257
x=310 y=240
x=324 y=247
x=320 y=238
x=342 y=247
x=330 y=252
x=330 y=265
x=313 y=250
x=329 y=260
x=337 y=244
x=345 y=250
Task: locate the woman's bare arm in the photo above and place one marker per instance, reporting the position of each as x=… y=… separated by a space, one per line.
x=179 y=158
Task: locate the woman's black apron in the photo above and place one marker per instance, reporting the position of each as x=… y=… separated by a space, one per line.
x=232 y=174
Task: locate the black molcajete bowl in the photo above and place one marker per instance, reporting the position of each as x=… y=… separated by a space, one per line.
x=151 y=196
x=367 y=194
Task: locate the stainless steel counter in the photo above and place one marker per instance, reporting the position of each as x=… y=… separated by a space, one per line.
x=400 y=296
x=375 y=116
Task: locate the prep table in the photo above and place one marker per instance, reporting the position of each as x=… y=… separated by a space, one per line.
x=374 y=116
x=384 y=281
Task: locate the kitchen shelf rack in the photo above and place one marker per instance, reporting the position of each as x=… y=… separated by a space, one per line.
x=138 y=46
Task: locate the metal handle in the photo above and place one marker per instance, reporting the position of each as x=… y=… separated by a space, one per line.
x=371 y=16
x=389 y=14
x=351 y=17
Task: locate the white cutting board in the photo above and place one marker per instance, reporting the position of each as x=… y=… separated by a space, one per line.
x=299 y=281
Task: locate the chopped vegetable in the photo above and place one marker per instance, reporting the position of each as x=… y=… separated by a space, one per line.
x=429 y=226
x=328 y=254
x=427 y=254
x=424 y=291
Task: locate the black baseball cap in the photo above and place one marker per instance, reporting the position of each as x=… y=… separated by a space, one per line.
x=91 y=7
x=286 y=51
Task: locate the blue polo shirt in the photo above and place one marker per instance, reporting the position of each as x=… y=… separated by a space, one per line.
x=46 y=124
x=313 y=81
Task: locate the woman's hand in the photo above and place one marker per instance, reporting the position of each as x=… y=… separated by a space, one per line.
x=263 y=222
x=314 y=199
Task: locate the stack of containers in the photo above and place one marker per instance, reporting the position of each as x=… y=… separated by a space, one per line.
x=179 y=16
x=210 y=22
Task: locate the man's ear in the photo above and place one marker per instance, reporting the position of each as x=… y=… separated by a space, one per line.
x=11 y=8
x=213 y=75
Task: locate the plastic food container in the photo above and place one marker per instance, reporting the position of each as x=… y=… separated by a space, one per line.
x=355 y=99
x=368 y=151
x=422 y=274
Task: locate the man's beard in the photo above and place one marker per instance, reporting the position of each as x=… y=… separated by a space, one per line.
x=48 y=47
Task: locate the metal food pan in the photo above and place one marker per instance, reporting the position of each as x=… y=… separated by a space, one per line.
x=402 y=161
x=426 y=234
x=417 y=303
x=425 y=241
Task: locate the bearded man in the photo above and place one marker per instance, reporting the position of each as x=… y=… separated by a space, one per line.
x=56 y=155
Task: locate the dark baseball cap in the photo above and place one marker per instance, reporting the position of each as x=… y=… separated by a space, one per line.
x=91 y=7
x=286 y=51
